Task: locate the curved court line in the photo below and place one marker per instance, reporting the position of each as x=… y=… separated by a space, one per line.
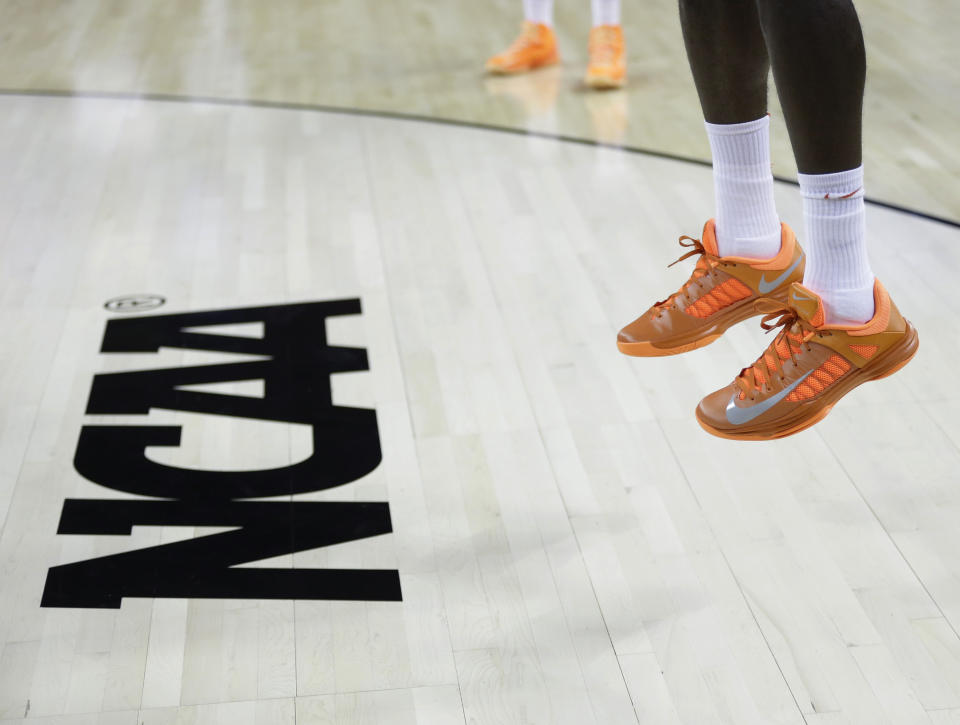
x=396 y=115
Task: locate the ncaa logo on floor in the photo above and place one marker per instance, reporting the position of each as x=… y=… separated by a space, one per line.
x=295 y=366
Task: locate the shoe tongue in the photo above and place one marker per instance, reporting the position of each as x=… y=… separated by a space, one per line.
x=709 y=238
x=808 y=304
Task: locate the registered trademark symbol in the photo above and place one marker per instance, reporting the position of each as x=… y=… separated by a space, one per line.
x=134 y=303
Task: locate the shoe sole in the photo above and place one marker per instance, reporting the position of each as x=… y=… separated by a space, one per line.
x=517 y=71
x=601 y=84
x=760 y=306
x=892 y=360
x=647 y=349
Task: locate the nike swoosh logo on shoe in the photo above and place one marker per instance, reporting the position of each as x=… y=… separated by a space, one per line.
x=739 y=416
x=765 y=286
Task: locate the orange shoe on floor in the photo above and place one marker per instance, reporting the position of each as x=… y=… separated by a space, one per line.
x=721 y=292
x=535 y=47
x=808 y=368
x=607 y=67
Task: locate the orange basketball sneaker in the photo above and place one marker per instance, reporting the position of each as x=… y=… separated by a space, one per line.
x=535 y=47
x=721 y=292
x=807 y=368
x=607 y=67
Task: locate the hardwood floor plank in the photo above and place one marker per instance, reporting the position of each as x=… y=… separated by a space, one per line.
x=570 y=546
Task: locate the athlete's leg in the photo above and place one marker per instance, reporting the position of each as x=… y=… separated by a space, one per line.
x=538 y=11
x=748 y=260
x=819 y=64
x=605 y=12
x=728 y=58
x=607 y=67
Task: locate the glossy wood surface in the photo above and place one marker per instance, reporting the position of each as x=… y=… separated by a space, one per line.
x=426 y=57
x=572 y=547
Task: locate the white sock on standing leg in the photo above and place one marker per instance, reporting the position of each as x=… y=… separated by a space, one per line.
x=838 y=268
x=605 y=12
x=747 y=220
x=538 y=11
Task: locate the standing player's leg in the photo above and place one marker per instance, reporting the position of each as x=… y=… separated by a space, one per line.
x=748 y=259
x=535 y=47
x=841 y=328
x=538 y=11
x=607 y=67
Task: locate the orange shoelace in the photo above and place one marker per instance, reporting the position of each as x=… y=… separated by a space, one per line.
x=792 y=339
x=604 y=46
x=704 y=268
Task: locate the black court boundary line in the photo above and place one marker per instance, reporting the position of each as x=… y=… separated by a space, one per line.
x=398 y=116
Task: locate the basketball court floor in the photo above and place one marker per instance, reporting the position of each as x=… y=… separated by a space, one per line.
x=311 y=409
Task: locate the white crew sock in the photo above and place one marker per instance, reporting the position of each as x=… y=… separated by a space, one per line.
x=837 y=265
x=605 y=12
x=538 y=11
x=747 y=221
